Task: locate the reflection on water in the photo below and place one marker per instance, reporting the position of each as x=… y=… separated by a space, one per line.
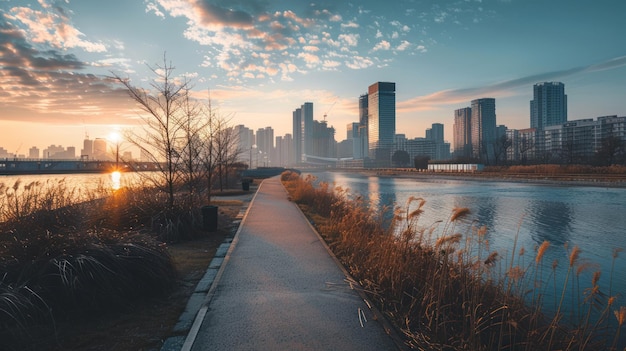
x=549 y=220
x=116 y=180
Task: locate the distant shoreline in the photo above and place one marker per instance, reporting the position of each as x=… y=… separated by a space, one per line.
x=592 y=180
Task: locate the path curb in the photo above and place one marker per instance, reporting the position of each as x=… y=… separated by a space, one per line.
x=183 y=334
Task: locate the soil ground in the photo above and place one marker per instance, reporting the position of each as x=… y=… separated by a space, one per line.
x=147 y=323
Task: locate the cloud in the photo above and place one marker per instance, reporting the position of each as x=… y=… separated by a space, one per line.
x=52 y=27
x=349 y=39
x=383 y=45
x=501 y=89
x=403 y=45
x=46 y=81
x=331 y=64
x=359 y=62
x=350 y=24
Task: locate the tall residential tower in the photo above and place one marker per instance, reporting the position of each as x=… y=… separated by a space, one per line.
x=463 y=132
x=549 y=105
x=483 y=128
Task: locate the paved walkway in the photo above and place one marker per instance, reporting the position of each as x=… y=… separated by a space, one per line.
x=280 y=289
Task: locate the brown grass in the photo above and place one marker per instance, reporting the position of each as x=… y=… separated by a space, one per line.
x=443 y=289
x=77 y=268
x=147 y=323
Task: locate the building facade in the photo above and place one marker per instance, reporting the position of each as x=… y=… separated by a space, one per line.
x=462 y=131
x=381 y=124
x=549 y=105
x=483 y=123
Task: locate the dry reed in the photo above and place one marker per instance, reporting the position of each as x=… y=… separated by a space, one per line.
x=444 y=292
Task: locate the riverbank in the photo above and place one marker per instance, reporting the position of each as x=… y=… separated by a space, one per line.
x=594 y=180
x=443 y=288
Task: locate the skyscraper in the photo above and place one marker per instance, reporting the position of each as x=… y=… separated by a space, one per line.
x=549 y=105
x=463 y=132
x=303 y=130
x=297 y=135
x=364 y=145
x=483 y=128
x=381 y=124
x=307 y=127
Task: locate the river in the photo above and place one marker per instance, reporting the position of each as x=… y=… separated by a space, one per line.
x=592 y=218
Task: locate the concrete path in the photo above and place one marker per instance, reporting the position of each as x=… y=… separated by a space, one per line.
x=280 y=289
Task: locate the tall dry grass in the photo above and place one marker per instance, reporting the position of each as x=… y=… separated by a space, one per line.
x=553 y=169
x=65 y=251
x=444 y=288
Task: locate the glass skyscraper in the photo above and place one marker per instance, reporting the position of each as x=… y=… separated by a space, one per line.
x=381 y=121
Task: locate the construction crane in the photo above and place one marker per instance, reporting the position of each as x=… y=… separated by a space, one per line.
x=18 y=149
x=331 y=107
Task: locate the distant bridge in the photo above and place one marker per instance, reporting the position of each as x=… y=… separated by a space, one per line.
x=310 y=159
x=46 y=166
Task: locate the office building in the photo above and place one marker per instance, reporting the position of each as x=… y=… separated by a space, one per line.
x=355 y=137
x=381 y=124
x=363 y=143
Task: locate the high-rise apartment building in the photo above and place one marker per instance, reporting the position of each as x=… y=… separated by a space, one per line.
x=381 y=124
x=435 y=133
x=549 y=105
x=33 y=152
x=100 y=149
x=87 y=151
x=283 y=155
x=462 y=130
x=265 y=139
x=483 y=128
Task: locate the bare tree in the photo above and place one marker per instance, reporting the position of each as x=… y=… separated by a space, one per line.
x=192 y=126
x=525 y=145
x=207 y=151
x=159 y=139
x=501 y=147
x=226 y=151
x=611 y=150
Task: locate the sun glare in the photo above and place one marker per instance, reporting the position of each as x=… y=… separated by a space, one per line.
x=116 y=180
x=115 y=137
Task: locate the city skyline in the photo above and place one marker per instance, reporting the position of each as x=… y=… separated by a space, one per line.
x=260 y=59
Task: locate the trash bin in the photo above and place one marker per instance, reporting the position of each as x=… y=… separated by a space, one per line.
x=209 y=218
x=245 y=185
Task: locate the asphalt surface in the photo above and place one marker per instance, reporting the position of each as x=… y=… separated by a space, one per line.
x=279 y=288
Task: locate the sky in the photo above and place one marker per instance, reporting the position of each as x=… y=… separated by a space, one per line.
x=261 y=59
